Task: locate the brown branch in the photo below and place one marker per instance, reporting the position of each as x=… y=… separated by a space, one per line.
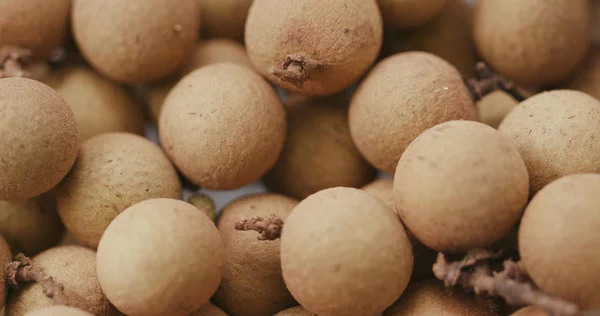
x=487 y=81
x=13 y=61
x=269 y=228
x=509 y=283
x=24 y=270
x=299 y=74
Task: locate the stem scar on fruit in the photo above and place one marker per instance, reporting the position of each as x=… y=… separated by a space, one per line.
x=297 y=75
x=487 y=81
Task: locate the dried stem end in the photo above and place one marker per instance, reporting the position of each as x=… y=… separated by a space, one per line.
x=300 y=73
x=268 y=228
x=475 y=272
x=487 y=81
x=13 y=61
x=204 y=203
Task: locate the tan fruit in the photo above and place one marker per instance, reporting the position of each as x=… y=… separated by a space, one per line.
x=5 y=258
x=408 y=14
x=345 y=252
x=536 y=42
x=460 y=185
x=32 y=225
x=136 y=40
x=224 y=18
x=39 y=138
x=404 y=95
x=531 y=311
x=113 y=172
x=384 y=190
x=556 y=133
x=586 y=78
x=208 y=310
x=58 y=310
x=72 y=266
x=136 y=266
x=448 y=35
x=338 y=41
x=228 y=106
x=38 y=25
x=558 y=231
x=432 y=298
x=319 y=152
x=252 y=282
x=494 y=107
x=295 y=311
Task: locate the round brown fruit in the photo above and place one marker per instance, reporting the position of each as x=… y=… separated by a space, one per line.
x=135 y=40
x=345 y=252
x=226 y=105
x=558 y=232
x=332 y=43
x=534 y=42
x=404 y=95
x=384 y=190
x=58 y=310
x=252 y=282
x=113 y=172
x=208 y=310
x=494 y=107
x=295 y=311
x=72 y=266
x=556 y=133
x=460 y=185
x=408 y=14
x=224 y=18
x=39 y=138
x=136 y=266
x=587 y=77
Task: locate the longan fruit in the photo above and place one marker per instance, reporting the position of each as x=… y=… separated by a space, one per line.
x=136 y=40
x=586 y=78
x=407 y=14
x=5 y=258
x=295 y=311
x=558 y=237
x=39 y=138
x=224 y=18
x=345 y=252
x=339 y=39
x=208 y=310
x=252 y=282
x=556 y=133
x=223 y=126
x=58 y=310
x=494 y=107
x=31 y=225
x=72 y=266
x=460 y=185
x=404 y=95
x=38 y=25
x=319 y=152
x=160 y=257
x=383 y=189
x=113 y=171
x=535 y=42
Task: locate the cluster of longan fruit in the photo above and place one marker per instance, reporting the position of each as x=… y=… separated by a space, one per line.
x=299 y=157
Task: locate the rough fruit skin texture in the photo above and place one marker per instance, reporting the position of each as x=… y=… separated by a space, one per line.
x=113 y=172
x=558 y=232
x=557 y=134
x=460 y=185
x=137 y=40
x=38 y=25
x=587 y=76
x=32 y=225
x=536 y=42
x=39 y=138
x=318 y=153
x=384 y=190
x=432 y=298
x=295 y=311
x=252 y=282
x=5 y=258
x=494 y=107
x=223 y=126
x=135 y=259
x=332 y=276
x=58 y=310
x=75 y=268
x=344 y=35
x=99 y=105
x=404 y=95
x=224 y=18
x=531 y=311
x=408 y=14
x=208 y=310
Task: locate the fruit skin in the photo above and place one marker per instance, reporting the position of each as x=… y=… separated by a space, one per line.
x=99 y=105
x=295 y=311
x=325 y=243
x=558 y=232
x=113 y=172
x=407 y=14
x=404 y=95
x=531 y=311
x=319 y=152
x=556 y=133
x=208 y=310
x=135 y=259
x=5 y=258
x=432 y=298
x=58 y=310
x=72 y=266
x=32 y=225
x=586 y=78
x=224 y=18
x=494 y=107
x=536 y=42
x=252 y=283
x=344 y=35
x=38 y=25
x=460 y=185
x=384 y=190
x=39 y=138
x=228 y=106
x=137 y=40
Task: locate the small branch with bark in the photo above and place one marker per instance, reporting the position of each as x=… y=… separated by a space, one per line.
x=268 y=228
x=475 y=272
x=487 y=81
x=297 y=75
x=13 y=61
